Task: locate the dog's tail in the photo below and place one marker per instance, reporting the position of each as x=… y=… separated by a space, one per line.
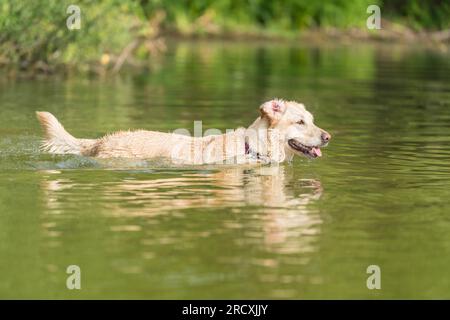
x=57 y=139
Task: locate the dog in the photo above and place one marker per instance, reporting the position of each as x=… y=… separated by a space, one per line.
x=283 y=129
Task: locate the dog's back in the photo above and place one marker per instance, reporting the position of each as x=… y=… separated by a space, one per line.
x=143 y=144
x=127 y=144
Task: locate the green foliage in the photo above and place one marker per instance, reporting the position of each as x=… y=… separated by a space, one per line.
x=431 y=14
x=35 y=33
x=288 y=15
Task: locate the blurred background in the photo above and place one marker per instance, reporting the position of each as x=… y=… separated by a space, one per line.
x=114 y=33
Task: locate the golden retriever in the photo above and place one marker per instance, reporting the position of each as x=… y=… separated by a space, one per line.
x=284 y=129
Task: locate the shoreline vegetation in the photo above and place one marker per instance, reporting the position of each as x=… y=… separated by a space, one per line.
x=35 y=39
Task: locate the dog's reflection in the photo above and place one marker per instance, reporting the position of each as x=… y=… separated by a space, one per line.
x=271 y=197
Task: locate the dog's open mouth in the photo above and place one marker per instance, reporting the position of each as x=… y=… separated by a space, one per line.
x=312 y=152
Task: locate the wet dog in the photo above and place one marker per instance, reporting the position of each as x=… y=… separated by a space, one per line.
x=283 y=129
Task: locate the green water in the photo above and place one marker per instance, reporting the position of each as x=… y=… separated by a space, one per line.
x=379 y=195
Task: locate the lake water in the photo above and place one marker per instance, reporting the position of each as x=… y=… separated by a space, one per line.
x=380 y=195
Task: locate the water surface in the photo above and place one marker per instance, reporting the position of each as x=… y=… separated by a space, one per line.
x=145 y=229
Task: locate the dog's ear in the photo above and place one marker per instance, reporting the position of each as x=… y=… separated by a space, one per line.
x=273 y=110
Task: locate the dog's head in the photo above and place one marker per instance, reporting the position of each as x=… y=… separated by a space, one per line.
x=295 y=126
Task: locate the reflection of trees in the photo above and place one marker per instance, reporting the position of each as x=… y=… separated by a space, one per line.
x=405 y=104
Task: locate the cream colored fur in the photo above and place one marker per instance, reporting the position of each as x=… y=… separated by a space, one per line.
x=267 y=139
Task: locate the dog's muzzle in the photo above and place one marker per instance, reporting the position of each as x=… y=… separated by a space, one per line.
x=312 y=152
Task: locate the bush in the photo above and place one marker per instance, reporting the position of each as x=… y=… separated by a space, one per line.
x=34 y=33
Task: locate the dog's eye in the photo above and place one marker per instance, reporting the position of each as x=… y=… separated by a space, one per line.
x=301 y=122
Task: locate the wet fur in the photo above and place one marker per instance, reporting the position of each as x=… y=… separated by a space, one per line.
x=266 y=136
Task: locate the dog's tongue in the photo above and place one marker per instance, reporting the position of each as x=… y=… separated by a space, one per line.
x=316 y=151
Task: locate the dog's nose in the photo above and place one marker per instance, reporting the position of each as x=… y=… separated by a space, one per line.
x=325 y=136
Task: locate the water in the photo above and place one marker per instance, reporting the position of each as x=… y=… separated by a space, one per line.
x=145 y=229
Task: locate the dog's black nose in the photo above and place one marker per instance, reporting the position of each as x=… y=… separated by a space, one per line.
x=325 y=136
